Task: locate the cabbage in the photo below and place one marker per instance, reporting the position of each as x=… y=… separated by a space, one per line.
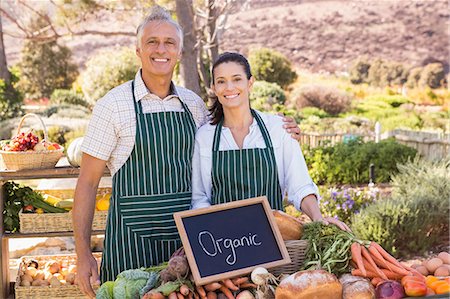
x=105 y=291
x=129 y=283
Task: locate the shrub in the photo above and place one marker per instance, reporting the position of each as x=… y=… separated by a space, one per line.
x=45 y=66
x=330 y=99
x=345 y=202
x=359 y=71
x=416 y=216
x=10 y=98
x=67 y=111
x=265 y=95
x=385 y=73
x=348 y=163
x=433 y=75
x=414 y=77
x=313 y=111
x=271 y=66
x=106 y=70
x=67 y=96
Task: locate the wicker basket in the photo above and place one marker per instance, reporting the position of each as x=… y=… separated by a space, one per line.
x=56 y=222
x=297 y=251
x=31 y=159
x=59 y=222
x=65 y=291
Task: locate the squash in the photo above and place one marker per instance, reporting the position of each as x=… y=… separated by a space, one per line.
x=74 y=152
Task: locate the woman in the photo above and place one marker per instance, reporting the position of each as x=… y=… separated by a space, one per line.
x=243 y=153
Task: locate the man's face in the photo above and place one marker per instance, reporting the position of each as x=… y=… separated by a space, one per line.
x=159 y=48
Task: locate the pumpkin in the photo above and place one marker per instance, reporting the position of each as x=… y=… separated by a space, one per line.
x=74 y=152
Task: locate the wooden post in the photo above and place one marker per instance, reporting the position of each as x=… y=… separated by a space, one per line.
x=4 y=259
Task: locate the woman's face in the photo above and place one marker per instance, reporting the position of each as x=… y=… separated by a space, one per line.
x=231 y=85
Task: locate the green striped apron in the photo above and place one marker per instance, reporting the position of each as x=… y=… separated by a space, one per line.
x=245 y=173
x=153 y=183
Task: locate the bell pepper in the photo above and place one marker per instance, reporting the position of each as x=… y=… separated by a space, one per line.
x=443 y=289
x=415 y=288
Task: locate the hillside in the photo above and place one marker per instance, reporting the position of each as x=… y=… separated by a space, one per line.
x=314 y=34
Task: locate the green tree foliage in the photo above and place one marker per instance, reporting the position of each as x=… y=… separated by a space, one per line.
x=10 y=98
x=265 y=95
x=359 y=71
x=45 y=66
x=106 y=70
x=271 y=66
x=433 y=75
x=67 y=96
x=414 y=77
x=386 y=73
x=415 y=217
x=348 y=162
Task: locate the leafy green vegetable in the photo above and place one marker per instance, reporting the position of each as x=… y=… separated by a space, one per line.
x=129 y=283
x=173 y=286
x=151 y=283
x=105 y=291
x=328 y=247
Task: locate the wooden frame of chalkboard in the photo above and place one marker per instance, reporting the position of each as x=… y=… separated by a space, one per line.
x=207 y=235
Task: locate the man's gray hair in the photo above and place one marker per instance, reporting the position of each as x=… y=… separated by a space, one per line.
x=159 y=14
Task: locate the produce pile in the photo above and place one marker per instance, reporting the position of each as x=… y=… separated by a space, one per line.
x=28 y=141
x=52 y=273
x=20 y=197
x=173 y=280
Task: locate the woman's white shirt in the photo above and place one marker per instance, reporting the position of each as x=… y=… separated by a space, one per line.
x=293 y=174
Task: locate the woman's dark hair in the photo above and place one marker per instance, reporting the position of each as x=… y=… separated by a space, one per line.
x=216 y=109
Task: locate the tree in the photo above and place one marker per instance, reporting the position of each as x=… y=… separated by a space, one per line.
x=4 y=72
x=203 y=22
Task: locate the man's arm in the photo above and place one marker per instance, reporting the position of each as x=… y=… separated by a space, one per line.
x=91 y=171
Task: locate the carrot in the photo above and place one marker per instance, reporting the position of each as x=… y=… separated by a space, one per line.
x=376 y=281
x=367 y=255
x=211 y=287
x=369 y=274
x=196 y=296
x=211 y=295
x=391 y=274
x=184 y=289
x=180 y=296
x=386 y=255
x=248 y=285
x=240 y=280
x=190 y=295
x=229 y=284
x=201 y=291
x=173 y=295
x=376 y=255
x=226 y=291
x=357 y=258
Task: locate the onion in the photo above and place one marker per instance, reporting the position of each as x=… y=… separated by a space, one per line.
x=259 y=276
x=389 y=290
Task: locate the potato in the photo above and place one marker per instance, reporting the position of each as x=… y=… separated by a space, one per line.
x=26 y=277
x=422 y=270
x=442 y=271
x=25 y=283
x=414 y=266
x=433 y=264
x=45 y=283
x=39 y=275
x=70 y=278
x=54 y=281
x=31 y=271
x=72 y=269
x=37 y=282
x=445 y=257
x=53 y=267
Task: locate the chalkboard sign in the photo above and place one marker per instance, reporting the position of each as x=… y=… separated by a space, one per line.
x=231 y=239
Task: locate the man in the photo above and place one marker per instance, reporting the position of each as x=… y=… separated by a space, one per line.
x=143 y=131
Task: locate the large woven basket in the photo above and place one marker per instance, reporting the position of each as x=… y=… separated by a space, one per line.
x=65 y=291
x=56 y=222
x=31 y=159
x=297 y=252
x=59 y=222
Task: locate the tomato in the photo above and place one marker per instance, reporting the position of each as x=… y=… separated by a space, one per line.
x=415 y=288
x=28 y=209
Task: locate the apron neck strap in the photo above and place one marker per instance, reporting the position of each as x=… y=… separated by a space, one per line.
x=259 y=121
